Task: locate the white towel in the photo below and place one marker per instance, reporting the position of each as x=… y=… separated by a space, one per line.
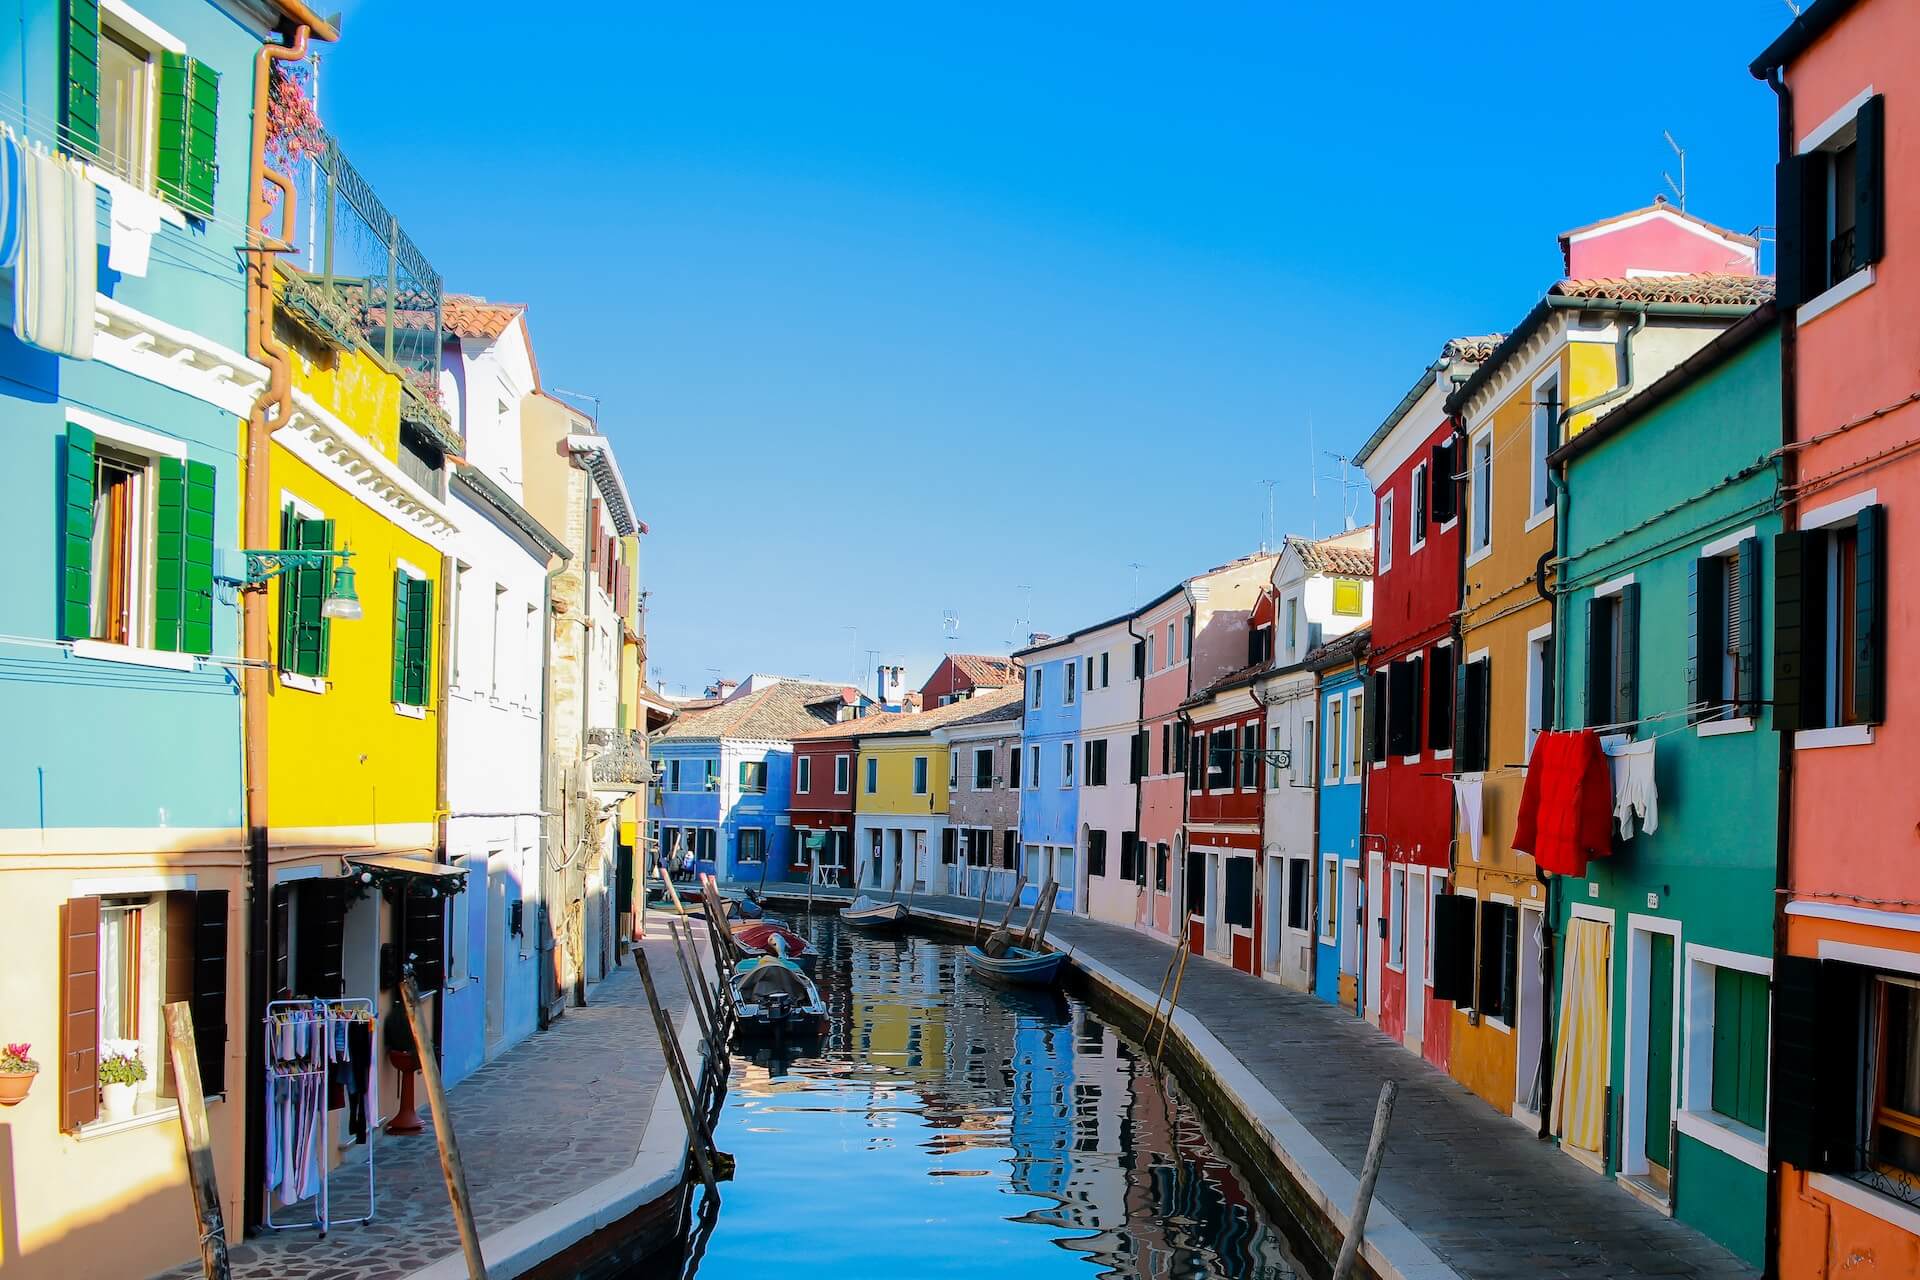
x=130 y=231
x=1466 y=796
x=1634 y=793
x=54 y=283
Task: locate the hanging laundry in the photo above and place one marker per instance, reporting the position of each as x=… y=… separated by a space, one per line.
x=130 y=230
x=1634 y=793
x=1580 y=1056
x=1467 y=800
x=1566 y=808
x=53 y=285
x=12 y=197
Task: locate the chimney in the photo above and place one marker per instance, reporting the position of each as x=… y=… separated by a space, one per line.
x=722 y=689
x=887 y=682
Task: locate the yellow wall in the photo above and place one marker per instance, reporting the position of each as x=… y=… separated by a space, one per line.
x=895 y=789
x=345 y=767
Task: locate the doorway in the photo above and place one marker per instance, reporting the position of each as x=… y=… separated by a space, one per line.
x=1195 y=902
x=1216 y=930
x=498 y=874
x=1273 y=916
x=1415 y=905
x=1527 y=1086
x=1652 y=994
x=1375 y=913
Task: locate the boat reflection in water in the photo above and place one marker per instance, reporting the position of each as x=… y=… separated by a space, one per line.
x=944 y=1127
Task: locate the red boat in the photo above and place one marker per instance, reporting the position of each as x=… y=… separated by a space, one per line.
x=755 y=937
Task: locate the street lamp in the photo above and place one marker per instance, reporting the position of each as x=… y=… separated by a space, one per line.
x=342 y=601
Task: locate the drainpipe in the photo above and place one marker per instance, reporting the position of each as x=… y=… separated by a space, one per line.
x=586 y=719
x=1456 y=629
x=543 y=944
x=270 y=407
x=1360 y=660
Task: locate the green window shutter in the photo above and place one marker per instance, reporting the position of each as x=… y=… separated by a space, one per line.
x=1869 y=191
x=170 y=547
x=307 y=588
x=170 y=132
x=401 y=599
x=196 y=619
x=82 y=99
x=289 y=591
x=1799 y=629
x=1870 y=616
x=203 y=123
x=1740 y=1046
x=419 y=640
x=1747 y=590
x=76 y=554
x=1626 y=694
x=1704 y=587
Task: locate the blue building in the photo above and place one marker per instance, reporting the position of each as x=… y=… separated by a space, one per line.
x=1050 y=768
x=724 y=775
x=1339 y=789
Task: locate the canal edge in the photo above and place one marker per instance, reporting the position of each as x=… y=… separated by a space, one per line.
x=652 y=1185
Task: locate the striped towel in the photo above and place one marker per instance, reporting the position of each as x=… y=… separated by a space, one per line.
x=53 y=285
x=12 y=198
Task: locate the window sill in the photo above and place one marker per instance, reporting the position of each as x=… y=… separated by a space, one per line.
x=306 y=684
x=1718 y=728
x=133 y=655
x=1845 y=735
x=1866 y=1199
x=164 y=1111
x=1475 y=557
x=1539 y=518
x=1839 y=293
x=1743 y=1143
x=409 y=711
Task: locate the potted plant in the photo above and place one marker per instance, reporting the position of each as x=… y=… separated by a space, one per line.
x=121 y=1072
x=17 y=1072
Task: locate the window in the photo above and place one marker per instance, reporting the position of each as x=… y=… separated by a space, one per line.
x=1336 y=742
x=752 y=844
x=953 y=770
x=531 y=662
x=1173 y=646
x=873 y=774
x=1036 y=680
x=1831 y=589
x=1187 y=631
x=1182 y=760
x=1739 y=1068
x=1249 y=756
x=1303 y=767
x=711 y=782
x=1832 y=206
x=1290 y=611
x=413 y=625
x=1273 y=756
x=982 y=768
x=842 y=769
x=1725 y=659
x=1403 y=706
x=1440 y=700
x=1417 y=508
x=147 y=112
x=1470 y=729
x=1499 y=968
x=1009 y=849
x=803 y=774
x=1166 y=748
x=1096 y=762
x=1260 y=645
x=673 y=774
x=1129 y=856
x=1480 y=524
x=1072 y=670
x=1160 y=859
x=497 y=680
x=753 y=777
x=1066 y=764
x=1299 y=910
x=1105 y=670
x=1893 y=1122
x=1090 y=672
x=1386 y=531
x=1139 y=659
x=1149 y=643
x=1546 y=438
x=919 y=775
x=1349 y=598
x=126 y=115
x=1014 y=756
x=1397 y=908
x=305 y=630
x=1096 y=853
x=1033 y=767
x=1220 y=760
x=1356 y=739
x=1613 y=652
x=1329 y=899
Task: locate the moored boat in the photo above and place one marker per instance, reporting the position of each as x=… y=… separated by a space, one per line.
x=756 y=938
x=774 y=997
x=864 y=913
x=1018 y=966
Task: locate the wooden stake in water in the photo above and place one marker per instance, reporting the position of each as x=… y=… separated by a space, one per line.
x=697 y=1137
x=198 y=1138
x=1369 y=1174
x=451 y=1169
x=985 y=876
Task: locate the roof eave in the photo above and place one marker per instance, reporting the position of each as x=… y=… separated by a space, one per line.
x=1812 y=23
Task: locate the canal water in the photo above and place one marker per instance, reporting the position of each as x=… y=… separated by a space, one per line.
x=945 y=1127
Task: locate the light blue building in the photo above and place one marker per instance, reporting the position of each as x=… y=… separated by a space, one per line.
x=1050 y=768
x=1338 y=946
x=724 y=775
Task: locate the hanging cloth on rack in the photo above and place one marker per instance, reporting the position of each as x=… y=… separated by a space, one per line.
x=1566 y=807
x=131 y=227
x=55 y=278
x=1634 y=792
x=1466 y=797
x=13 y=209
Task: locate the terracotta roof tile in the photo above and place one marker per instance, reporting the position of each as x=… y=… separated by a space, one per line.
x=1476 y=348
x=1336 y=555
x=467 y=316
x=999 y=704
x=1709 y=287
x=778 y=713
x=982 y=668
x=1340 y=649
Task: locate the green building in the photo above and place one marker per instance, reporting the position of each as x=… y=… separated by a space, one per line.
x=1668 y=509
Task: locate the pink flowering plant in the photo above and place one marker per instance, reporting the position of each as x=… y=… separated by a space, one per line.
x=294 y=132
x=120 y=1062
x=16 y=1060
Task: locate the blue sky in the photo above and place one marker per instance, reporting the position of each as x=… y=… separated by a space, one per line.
x=970 y=310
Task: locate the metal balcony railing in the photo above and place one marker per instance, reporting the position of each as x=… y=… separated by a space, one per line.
x=620 y=760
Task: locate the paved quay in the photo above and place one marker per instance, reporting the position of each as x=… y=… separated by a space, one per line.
x=563 y=1113
x=1485 y=1196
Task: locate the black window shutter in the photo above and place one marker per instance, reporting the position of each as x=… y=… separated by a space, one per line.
x=1870 y=616
x=1704 y=588
x=1626 y=695
x=1493 y=985
x=210 y=988
x=1599 y=661
x=1416 y=667
x=1376 y=721
x=1440 y=700
x=426 y=924
x=282 y=960
x=1746 y=588
x=1398 y=720
x=1869 y=191
x=1440 y=471
x=1139 y=659
x=1453 y=948
x=1790 y=236
x=1799 y=629
x=322 y=920
x=1470 y=721
x=1814 y=1097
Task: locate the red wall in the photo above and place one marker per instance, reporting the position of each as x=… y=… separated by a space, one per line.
x=822 y=799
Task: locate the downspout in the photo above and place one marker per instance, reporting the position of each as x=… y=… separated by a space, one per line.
x=272 y=405
x=1457 y=625
x=587 y=814
x=544 y=942
x=442 y=819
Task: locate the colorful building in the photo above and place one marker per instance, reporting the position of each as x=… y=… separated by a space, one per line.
x=1593 y=340
x=1050 y=798
x=1664 y=583
x=1226 y=759
x=1845 y=1115
x=1339 y=788
x=983 y=805
x=821 y=801
x=961 y=675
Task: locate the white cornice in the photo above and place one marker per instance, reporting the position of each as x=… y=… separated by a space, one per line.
x=1518 y=366
x=343 y=455
x=151 y=348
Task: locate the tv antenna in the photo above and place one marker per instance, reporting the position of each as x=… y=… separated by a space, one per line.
x=1679 y=188
x=1266 y=543
x=1136 y=566
x=1348 y=506
x=949 y=627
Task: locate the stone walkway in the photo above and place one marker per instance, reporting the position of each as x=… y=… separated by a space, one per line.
x=564 y=1109
x=1491 y=1199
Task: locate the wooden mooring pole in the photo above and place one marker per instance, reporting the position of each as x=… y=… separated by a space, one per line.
x=198 y=1138
x=698 y=1139
x=1179 y=976
x=451 y=1168
x=1349 y=1258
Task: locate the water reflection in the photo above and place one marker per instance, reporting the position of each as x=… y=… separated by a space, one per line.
x=947 y=1128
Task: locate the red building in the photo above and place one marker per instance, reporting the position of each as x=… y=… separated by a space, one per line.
x=1225 y=799
x=960 y=675
x=822 y=800
x=1407 y=825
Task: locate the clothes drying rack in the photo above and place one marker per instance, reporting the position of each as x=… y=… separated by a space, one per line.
x=317 y=1024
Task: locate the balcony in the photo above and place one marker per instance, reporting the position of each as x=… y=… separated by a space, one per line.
x=620 y=760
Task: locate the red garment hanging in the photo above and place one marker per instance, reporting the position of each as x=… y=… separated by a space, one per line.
x=1566 y=808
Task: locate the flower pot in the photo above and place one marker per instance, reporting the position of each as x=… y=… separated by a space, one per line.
x=116 y=1101
x=14 y=1086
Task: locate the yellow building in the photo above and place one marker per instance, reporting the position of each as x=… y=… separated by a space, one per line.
x=1586 y=346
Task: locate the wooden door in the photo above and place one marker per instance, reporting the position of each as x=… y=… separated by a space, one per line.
x=1659 y=1110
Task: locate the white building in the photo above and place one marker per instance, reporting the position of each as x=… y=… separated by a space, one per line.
x=1109 y=815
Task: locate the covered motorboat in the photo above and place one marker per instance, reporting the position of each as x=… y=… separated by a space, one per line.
x=866 y=913
x=773 y=995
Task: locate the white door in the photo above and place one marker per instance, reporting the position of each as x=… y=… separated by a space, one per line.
x=1526 y=1031
x=1375 y=912
x=1274 y=918
x=1346 y=918
x=1416 y=909
x=1216 y=935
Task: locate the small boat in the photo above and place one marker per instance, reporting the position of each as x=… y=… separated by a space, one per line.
x=756 y=938
x=1018 y=966
x=774 y=997
x=750 y=907
x=864 y=913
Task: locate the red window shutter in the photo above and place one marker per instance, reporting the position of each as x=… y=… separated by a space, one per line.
x=79 y=1012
